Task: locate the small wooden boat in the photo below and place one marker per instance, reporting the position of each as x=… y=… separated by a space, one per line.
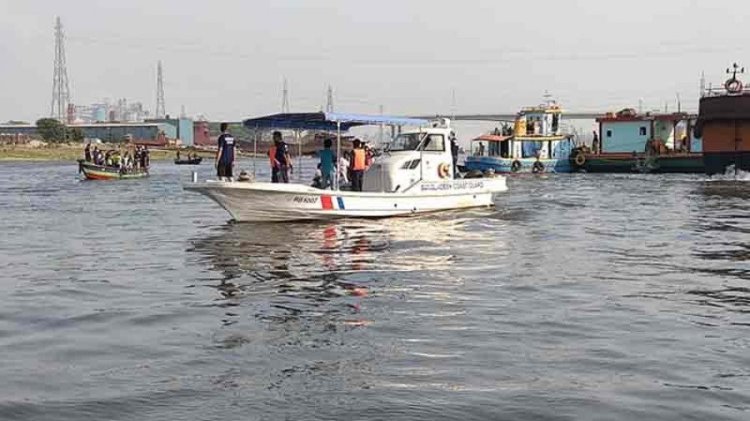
x=100 y=172
x=191 y=161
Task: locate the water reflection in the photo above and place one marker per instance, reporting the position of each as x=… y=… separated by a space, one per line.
x=306 y=271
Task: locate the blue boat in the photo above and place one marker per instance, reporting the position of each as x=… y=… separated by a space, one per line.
x=534 y=145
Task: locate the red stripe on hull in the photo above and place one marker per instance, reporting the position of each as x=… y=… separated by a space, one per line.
x=326 y=202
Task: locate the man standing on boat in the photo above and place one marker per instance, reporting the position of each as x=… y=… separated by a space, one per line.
x=454 y=152
x=358 y=165
x=275 y=164
x=282 y=158
x=327 y=164
x=225 y=154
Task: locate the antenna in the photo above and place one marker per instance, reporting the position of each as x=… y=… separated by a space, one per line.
x=60 y=85
x=329 y=100
x=453 y=104
x=285 y=98
x=640 y=105
x=381 y=126
x=160 y=107
x=679 y=104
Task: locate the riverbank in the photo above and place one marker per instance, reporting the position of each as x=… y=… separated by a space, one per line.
x=72 y=153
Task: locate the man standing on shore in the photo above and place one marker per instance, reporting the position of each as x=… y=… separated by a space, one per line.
x=225 y=154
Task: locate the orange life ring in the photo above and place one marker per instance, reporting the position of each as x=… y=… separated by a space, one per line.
x=444 y=170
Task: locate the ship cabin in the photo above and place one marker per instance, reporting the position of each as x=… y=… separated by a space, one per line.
x=724 y=125
x=536 y=134
x=628 y=132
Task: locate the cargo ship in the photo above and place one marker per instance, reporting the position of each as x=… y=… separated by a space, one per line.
x=642 y=143
x=724 y=125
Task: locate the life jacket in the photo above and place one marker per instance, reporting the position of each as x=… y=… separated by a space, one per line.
x=359 y=160
x=272 y=156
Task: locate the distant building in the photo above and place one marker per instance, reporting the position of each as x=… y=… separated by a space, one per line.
x=202 y=134
x=153 y=132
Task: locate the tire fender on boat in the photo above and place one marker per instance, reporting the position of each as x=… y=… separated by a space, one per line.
x=580 y=159
x=515 y=166
x=538 y=167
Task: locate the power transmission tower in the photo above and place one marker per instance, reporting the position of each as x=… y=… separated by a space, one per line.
x=329 y=100
x=160 y=107
x=285 y=98
x=60 y=86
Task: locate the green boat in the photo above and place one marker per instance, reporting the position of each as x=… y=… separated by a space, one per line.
x=92 y=171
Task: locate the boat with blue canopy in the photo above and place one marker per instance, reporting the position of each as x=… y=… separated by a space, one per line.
x=414 y=175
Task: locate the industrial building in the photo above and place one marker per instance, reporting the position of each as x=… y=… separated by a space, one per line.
x=156 y=131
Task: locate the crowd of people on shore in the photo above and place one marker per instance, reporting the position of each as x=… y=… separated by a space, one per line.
x=126 y=160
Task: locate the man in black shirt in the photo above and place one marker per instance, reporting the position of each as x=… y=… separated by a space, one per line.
x=225 y=154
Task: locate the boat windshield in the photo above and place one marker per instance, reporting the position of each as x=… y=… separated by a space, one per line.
x=412 y=142
x=406 y=142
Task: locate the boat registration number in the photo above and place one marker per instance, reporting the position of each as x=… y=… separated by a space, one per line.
x=305 y=199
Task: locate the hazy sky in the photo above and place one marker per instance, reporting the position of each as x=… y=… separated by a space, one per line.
x=227 y=59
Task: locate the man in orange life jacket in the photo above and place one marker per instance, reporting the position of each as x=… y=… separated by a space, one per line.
x=358 y=165
x=275 y=164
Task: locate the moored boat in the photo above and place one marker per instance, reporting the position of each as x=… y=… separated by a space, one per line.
x=535 y=144
x=724 y=125
x=414 y=175
x=642 y=143
x=92 y=171
x=191 y=161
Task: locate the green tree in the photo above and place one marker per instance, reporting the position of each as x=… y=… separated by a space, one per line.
x=50 y=130
x=74 y=134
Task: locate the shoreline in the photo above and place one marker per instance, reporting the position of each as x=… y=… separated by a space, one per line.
x=60 y=153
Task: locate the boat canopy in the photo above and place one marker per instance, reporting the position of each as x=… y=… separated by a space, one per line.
x=327 y=121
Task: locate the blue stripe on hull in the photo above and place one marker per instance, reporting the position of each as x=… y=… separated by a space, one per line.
x=503 y=165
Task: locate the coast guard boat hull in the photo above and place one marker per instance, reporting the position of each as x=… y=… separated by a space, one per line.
x=267 y=202
x=414 y=175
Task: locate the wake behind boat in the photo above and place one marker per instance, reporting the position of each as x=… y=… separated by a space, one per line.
x=415 y=175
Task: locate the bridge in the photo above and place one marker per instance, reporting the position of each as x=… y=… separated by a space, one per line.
x=509 y=117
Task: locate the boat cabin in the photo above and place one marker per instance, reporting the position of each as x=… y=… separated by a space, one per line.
x=536 y=134
x=422 y=154
x=628 y=131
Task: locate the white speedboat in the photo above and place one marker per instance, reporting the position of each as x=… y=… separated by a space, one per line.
x=415 y=175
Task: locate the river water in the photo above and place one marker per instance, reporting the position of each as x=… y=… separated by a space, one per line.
x=579 y=297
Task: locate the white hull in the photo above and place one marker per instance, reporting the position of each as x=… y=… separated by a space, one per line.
x=267 y=202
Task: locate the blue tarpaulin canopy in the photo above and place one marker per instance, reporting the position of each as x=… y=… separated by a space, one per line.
x=327 y=121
